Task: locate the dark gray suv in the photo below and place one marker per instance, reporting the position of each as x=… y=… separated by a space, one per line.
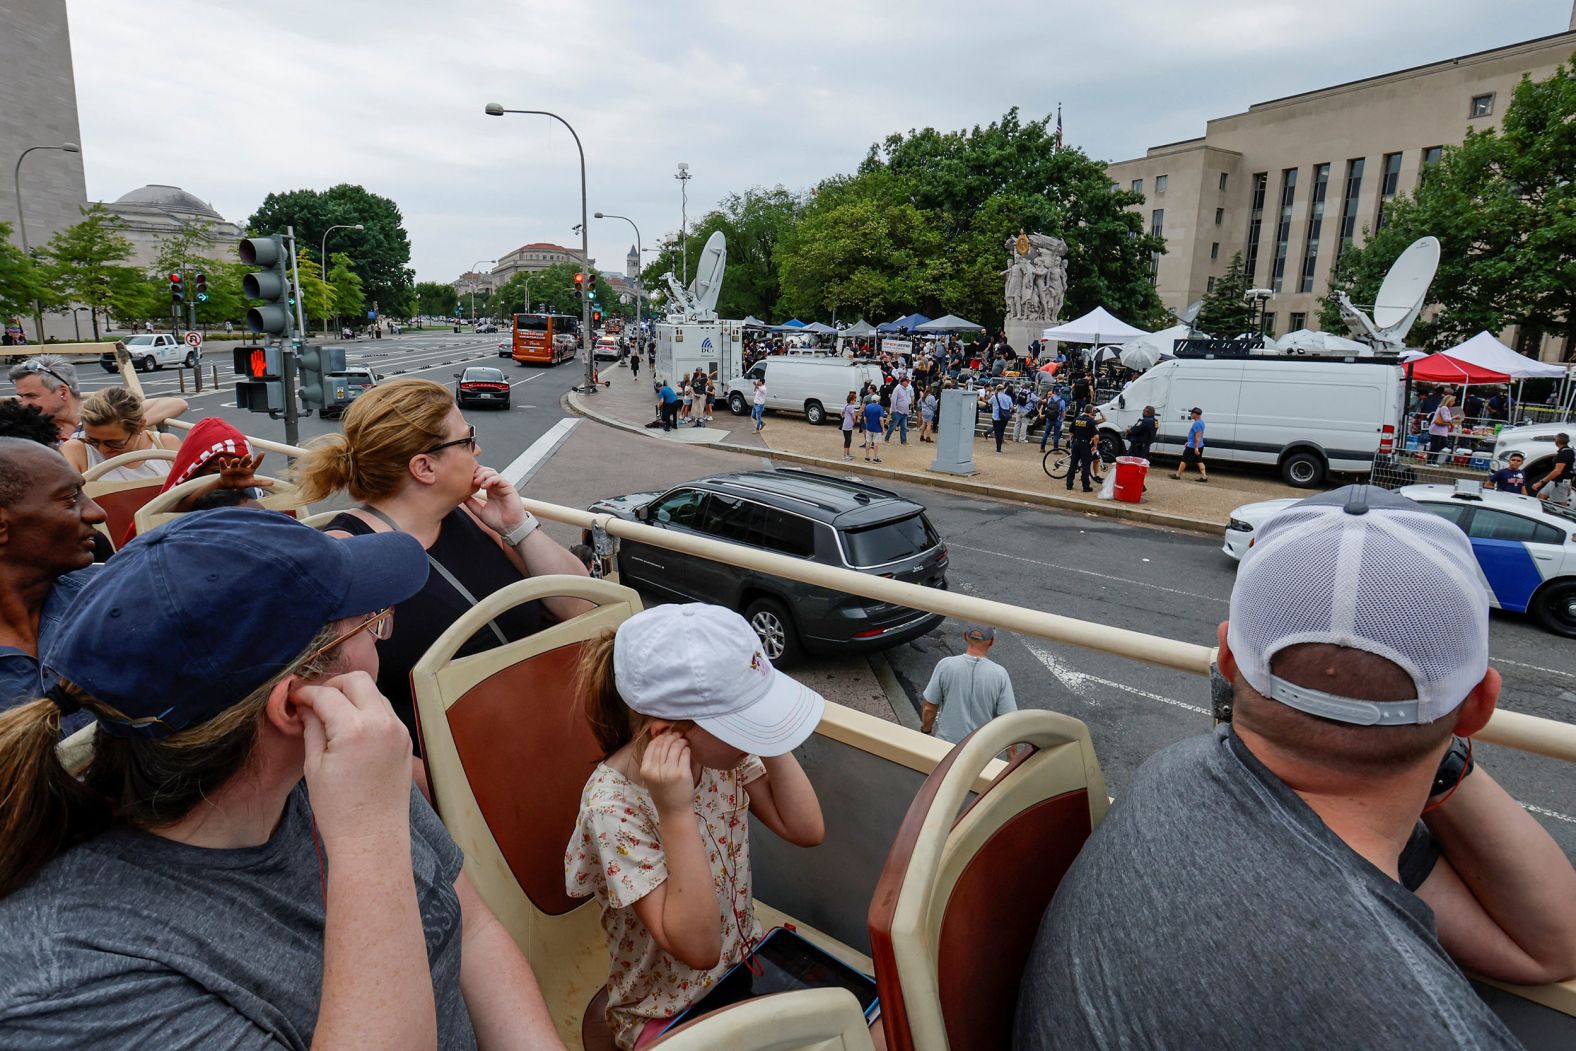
x=791 y=512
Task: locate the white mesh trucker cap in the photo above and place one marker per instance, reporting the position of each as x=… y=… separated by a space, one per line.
x=704 y=663
x=1368 y=569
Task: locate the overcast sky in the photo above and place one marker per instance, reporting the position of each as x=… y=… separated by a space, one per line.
x=231 y=100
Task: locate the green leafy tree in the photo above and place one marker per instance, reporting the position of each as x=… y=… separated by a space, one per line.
x=349 y=300
x=754 y=223
x=317 y=295
x=379 y=254
x=435 y=299
x=1225 y=313
x=1503 y=205
x=19 y=278
x=85 y=263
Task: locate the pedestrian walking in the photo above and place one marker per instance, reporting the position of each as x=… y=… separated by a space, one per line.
x=1081 y=436
x=634 y=365
x=927 y=416
x=1022 y=413
x=1000 y=412
x=1053 y=407
x=1440 y=424
x=1141 y=435
x=966 y=690
x=872 y=425
x=1193 y=448
x=758 y=412
x=1510 y=478
x=902 y=402
x=850 y=418
x=1556 y=485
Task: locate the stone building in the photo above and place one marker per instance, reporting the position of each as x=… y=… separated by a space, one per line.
x=1293 y=181
x=155 y=213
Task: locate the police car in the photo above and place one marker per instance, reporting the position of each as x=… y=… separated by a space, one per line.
x=1525 y=547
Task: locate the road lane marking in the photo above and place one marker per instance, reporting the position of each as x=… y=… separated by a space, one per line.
x=1532 y=667
x=1087 y=572
x=1077 y=682
x=1546 y=812
x=527 y=463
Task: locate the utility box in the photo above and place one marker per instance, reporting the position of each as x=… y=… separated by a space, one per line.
x=955 y=436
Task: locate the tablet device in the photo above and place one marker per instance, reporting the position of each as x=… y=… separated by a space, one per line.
x=782 y=962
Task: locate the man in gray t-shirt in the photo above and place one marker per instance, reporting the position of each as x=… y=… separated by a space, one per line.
x=967 y=689
x=1270 y=885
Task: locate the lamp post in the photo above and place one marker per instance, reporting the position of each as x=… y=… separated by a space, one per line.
x=495 y=109
x=479 y=262
x=639 y=251
x=683 y=176
x=21 y=217
x=322 y=258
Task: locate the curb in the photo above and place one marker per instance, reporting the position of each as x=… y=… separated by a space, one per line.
x=1102 y=508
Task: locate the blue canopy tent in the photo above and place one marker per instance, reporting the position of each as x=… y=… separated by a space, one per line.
x=791 y=325
x=903 y=324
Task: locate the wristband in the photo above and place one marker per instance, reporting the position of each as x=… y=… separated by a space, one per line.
x=1453 y=768
x=514 y=536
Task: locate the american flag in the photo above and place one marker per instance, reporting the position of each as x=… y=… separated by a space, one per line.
x=1058 y=125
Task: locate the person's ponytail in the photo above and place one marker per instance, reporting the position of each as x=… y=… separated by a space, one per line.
x=613 y=723
x=327 y=468
x=43 y=808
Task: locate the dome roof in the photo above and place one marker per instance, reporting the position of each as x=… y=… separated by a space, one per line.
x=169 y=199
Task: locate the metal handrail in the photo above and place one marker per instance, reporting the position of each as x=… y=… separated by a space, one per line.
x=1527 y=733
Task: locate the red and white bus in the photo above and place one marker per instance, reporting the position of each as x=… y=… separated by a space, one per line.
x=545 y=339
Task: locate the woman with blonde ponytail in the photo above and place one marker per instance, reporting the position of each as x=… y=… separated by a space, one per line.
x=242 y=861
x=413 y=463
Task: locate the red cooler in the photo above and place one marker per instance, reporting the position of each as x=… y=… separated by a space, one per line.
x=1130 y=474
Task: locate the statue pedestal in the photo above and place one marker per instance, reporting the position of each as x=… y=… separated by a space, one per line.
x=1020 y=333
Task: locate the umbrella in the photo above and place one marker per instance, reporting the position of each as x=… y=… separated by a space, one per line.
x=1103 y=355
x=1097 y=326
x=1148 y=350
x=949 y=323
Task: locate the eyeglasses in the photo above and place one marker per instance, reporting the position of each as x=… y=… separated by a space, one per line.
x=469 y=439
x=114 y=446
x=33 y=365
x=379 y=625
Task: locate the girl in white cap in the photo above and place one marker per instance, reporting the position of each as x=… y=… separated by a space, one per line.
x=698 y=727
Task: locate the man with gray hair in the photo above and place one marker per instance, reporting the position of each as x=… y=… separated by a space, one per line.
x=1317 y=872
x=48 y=382
x=966 y=690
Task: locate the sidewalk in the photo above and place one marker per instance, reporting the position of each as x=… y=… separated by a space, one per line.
x=1013 y=474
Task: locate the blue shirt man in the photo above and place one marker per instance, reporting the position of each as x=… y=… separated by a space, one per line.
x=1510 y=478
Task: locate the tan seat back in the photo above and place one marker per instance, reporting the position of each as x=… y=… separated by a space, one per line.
x=508 y=755
x=804 y=1020
x=283 y=496
x=960 y=899
x=121 y=499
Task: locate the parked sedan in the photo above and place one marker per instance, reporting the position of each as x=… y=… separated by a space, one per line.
x=1525 y=547
x=479 y=385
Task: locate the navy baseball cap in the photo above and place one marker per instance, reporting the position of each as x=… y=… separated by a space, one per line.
x=187 y=620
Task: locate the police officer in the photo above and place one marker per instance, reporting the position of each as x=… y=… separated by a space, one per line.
x=1081 y=435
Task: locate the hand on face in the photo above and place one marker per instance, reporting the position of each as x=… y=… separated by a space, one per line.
x=357 y=761
x=502 y=510
x=665 y=768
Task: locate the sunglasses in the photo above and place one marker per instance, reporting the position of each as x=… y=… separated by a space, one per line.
x=379 y=625
x=34 y=366
x=469 y=439
x=114 y=446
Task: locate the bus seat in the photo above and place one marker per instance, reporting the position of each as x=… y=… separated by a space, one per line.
x=320 y=519
x=281 y=497
x=121 y=499
x=803 y=1020
x=959 y=901
x=508 y=754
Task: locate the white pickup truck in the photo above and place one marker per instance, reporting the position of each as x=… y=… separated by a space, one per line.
x=154 y=351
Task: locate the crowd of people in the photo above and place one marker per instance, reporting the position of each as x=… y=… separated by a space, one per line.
x=249 y=856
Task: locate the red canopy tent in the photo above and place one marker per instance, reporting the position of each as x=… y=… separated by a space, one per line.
x=1441 y=368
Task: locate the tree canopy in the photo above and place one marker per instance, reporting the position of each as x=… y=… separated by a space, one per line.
x=1225 y=313
x=379 y=254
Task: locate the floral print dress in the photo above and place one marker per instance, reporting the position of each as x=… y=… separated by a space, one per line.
x=616 y=854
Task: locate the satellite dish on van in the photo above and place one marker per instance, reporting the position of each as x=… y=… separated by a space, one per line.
x=1401 y=296
x=698 y=302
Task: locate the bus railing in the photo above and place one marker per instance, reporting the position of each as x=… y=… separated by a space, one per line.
x=1527 y=733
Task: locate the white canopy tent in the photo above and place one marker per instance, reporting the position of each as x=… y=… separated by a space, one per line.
x=950 y=323
x=1486 y=352
x=1097 y=326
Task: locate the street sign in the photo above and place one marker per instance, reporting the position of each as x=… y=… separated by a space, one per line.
x=194 y=339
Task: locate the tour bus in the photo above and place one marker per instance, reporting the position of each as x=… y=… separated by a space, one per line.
x=938 y=861
x=545 y=339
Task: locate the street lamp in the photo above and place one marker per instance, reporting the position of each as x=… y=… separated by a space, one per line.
x=638 y=253
x=495 y=109
x=21 y=217
x=322 y=258
x=684 y=177
x=474 y=282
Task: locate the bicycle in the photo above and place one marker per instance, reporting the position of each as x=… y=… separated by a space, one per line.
x=1056 y=462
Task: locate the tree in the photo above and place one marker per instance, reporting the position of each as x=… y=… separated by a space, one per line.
x=379 y=254
x=317 y=295
x=349 y=300
x=754 y=224
x=19 y=279
x=1225 y=313
x=435 y=299
x=1503 y=205
x=85 y=264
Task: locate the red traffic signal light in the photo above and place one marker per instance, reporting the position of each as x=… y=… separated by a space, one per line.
x=580 y=279
x=177 y=290
x=175 y=279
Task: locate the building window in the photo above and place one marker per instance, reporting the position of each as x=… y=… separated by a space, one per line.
x=1255 y=222
x=1482 y=105
x=1222 y=182
x=1288 y=196
x=1214 y=250
x=1267 y=325
x=1116 y=187
x=1389 y=182
x=1220 y=216
x=1157 y=226
x=1296 y=322
x=1354 y=188
x=1310 y=251
x=1211 y=286
x=1160 y=183
x=1431 y=156
x=1138 y=186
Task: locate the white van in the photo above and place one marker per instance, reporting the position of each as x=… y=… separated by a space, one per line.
x=1304 y=415
x=817 y=387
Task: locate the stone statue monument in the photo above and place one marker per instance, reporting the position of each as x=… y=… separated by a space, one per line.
x=1035 y=286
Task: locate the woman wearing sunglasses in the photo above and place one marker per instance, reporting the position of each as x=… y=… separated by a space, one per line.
x=413 y=464
x=113 y=423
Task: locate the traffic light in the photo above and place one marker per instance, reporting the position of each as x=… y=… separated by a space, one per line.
x=177 y=289
x=580 y=282
x=201 y=282
x=261 y=385
x=313 y=366
x=271 y=285
x=596 y=317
